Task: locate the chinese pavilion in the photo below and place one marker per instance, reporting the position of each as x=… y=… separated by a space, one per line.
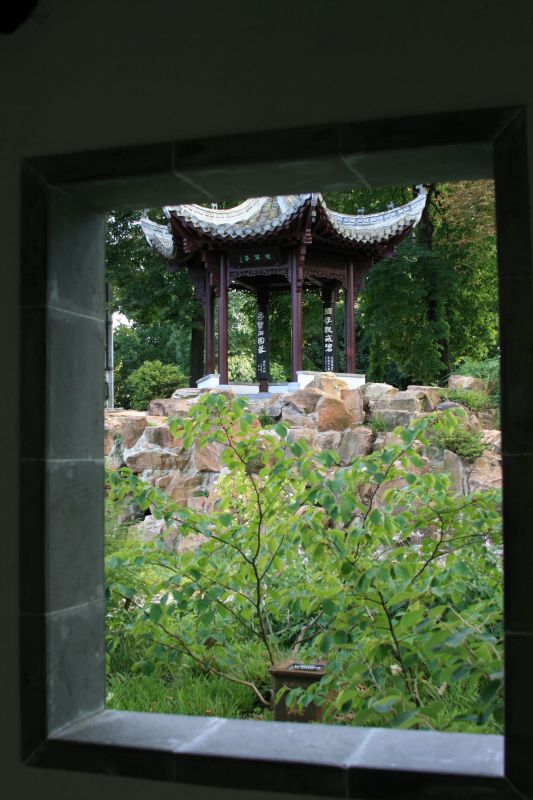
x=272 y=244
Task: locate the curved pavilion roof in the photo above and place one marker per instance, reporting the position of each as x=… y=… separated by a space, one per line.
x=289 y=216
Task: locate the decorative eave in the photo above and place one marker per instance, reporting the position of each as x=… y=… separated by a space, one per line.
x=378 y=227
x=266 y=217
x=159 y=237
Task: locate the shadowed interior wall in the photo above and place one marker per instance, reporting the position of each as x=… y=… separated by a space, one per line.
x=80 y=77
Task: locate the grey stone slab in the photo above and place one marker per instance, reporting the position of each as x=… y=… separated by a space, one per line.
x=76 y=386
x=430 y=751
x=518 y=552
x=75 y=663
x=61 y=515
x=76 y=258
x=33 y=382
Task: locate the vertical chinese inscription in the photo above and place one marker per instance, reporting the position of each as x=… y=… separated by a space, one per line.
x=261 y=341
x=328 y=317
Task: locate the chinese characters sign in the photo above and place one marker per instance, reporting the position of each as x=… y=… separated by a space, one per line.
x=261 y=344
x=256 y=257
x=328 y=317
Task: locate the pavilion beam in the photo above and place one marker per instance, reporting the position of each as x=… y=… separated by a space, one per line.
x=296 y=275
x=349 y=318
x=209 y=308
x=223 y=319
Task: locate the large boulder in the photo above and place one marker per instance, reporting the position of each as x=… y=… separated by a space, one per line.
x=430 y=398
x=172 y=407
x=187 y=393
x=328 y=383
x=127 y=424
x=296 y=419
x=485 y=473
x=373 y=391
x=304 y=401
x=206 y=458
x=354 y=402
x=307 y=435
x=328 y=440
x=147 y=453
x=453 y=465
x=332 y=415
x=394 y=418
x=355 y=443
x=413 y=400
x=461 y=382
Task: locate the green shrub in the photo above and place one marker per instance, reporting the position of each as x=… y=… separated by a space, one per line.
x=487 y=370
x=377 y=567
x=475 y=401
x=465 y=444
x=377 y=423
x=152 y=380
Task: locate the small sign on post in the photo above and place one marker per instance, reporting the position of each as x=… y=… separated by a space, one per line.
x=295 y=674
x=261 y=357
x=329 y=333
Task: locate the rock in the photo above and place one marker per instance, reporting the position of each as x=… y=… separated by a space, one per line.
x=492 y=440
x=206 y=458
x=431 y=396
x=372 y=391
x=146 y=455
x=453 y=465
x=115 y=457
x=127 y=424
x=160 y=436
x=410 y=400
x=295 y=418
x=394 y=418
x=182 y=487
x=173 y=407
x=387 y=439
x=460 y=382
x=355 y=443
x=488 y=418
x=187 y=393
x=332 y=415
x=328 y=383
x=273 y=408
x=354 y=402
x=304 y=401
x=308 y=435
x=485 y=473
x=151 y=528
x=329 y=440
x=447 y=404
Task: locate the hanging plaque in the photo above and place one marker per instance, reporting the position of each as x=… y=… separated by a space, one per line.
x=255 y=257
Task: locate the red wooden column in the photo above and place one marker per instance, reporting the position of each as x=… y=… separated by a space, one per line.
x=223 y=319
x=296 y=275
x=349 y=318
x=209 y=308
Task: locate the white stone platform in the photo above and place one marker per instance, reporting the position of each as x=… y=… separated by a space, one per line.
x=212 y=381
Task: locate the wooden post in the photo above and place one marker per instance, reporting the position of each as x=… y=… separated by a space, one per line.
x=349 y=318
x=329 y=328
x=261 y=347
x=296 y=316
x=209 y=308
x=223 y=320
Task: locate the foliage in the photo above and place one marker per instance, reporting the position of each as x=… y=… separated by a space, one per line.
x=445 y=289
x=377 y=423
x=488 y=370
x=466 y=444
x=402 y=577
x=151 y=380
x=475 y=401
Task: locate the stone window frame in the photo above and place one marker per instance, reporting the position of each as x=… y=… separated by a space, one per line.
x=64 y=721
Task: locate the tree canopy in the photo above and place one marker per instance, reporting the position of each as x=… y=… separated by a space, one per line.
x=419 y=314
